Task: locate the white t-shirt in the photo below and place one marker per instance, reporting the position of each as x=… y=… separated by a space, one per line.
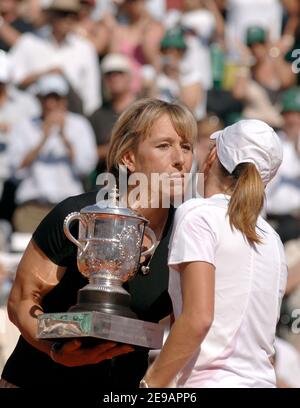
x=52 y=177
x=18 y=106
x=249 y=285
x=194 y=69
x=287 y=363
x=242 y=14
x=76 y=57
x=283 y=192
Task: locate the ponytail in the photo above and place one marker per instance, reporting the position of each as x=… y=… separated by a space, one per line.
x=246 y=201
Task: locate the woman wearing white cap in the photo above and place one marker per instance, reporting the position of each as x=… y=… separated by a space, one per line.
x=227 y=270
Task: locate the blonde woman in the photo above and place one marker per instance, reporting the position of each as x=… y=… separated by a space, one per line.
x=227 y=270
x=151 y=136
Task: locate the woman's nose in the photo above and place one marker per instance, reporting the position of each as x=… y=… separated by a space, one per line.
x=178 y=157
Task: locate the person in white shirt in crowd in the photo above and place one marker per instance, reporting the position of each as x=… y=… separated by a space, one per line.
x=283 y=209
x=201 y=23
x=283 y=193
x=118 y=95
x=8 y=333
x=242 y=14
x=180 y=77
x=227 y=270
x=133 y=32
x=261 y=80
x=287 y=364
x=15 y=105
x=58 y=49
x=50 y=155
x=157 y=8
x=203 y=16
x=12 y=23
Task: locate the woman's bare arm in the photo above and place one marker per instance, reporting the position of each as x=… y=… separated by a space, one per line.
x=36 y=276
x=190 y=329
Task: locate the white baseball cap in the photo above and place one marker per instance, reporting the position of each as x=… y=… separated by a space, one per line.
x=115 y=63
x=249 y=141
x=52 y=83
x=5 y=68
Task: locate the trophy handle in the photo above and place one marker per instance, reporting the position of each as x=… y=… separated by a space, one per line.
x=70 y=218
x=152 y=236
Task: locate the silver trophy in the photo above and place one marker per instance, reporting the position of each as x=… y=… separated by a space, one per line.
x=109 y=245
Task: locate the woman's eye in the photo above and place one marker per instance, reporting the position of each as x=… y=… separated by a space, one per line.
x=163 y=146
x=186 y=147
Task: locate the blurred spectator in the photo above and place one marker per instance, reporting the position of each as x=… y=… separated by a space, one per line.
x=33 y=12
x=50 y=155
x=58 y=50
x=180 y=77
x=202 y=24
x=157 y=8
x=291 y=39
x=5 y=236
x=87 y=26
x=117 y=77
x=288 y=326
x=204 y=19
x=287 y=364
x=11 y=23
x=221 y=99
x=262 y=78
x=9 y=334
x=290 y=23
x=269 y=67
x=134 y=33
x=15 y=105
x=241 y=14
x=293 y=282
x=283 y=193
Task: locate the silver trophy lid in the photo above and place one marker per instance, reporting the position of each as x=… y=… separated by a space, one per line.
x=112 y=207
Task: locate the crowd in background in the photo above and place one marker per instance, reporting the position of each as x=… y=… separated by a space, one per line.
x=68 y=68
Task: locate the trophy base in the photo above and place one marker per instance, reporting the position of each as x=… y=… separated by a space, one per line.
x=98 y=325
x=105 y=302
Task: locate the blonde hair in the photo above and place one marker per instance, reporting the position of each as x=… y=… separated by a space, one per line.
x=246 y=201
x=136 y=122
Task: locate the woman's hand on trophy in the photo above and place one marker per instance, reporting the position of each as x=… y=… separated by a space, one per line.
x=72 y=354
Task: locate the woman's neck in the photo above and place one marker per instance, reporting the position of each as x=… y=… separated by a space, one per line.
x=157 y=218
x=213 y=185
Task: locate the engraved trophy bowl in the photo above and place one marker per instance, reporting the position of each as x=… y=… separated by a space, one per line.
x=108 y=254
x=109 y=247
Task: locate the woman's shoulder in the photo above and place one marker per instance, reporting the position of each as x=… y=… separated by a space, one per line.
x=196 y=204
x=211 y=210
x=65 y=207
x=193 y=205
x=77 y=202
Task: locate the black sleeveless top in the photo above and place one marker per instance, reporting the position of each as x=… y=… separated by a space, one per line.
x=28 y=366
